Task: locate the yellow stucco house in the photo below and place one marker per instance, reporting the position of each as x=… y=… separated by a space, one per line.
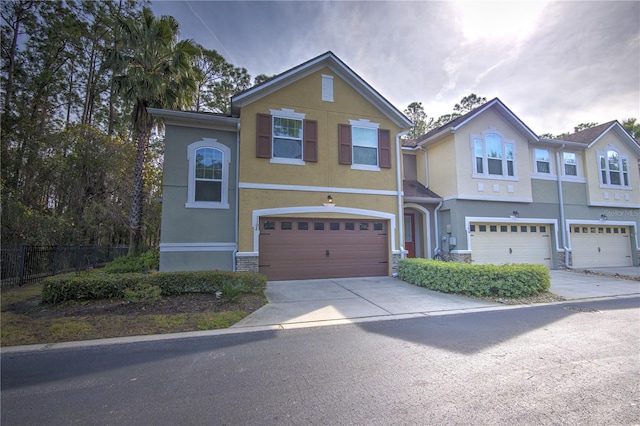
x=320 y=189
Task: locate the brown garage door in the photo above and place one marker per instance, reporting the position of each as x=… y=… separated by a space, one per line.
x=303 y=248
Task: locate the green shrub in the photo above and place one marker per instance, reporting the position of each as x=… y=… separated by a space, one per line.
x=100 y=285
x=90 y=285
x=512 y=280
x=143 y=293
x=143 y=263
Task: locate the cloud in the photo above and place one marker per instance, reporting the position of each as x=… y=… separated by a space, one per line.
x=555 y=64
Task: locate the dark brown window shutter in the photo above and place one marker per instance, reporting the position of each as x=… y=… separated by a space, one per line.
x=344 y=144
x=384 y=148
x=263 y=136
x=310 y=151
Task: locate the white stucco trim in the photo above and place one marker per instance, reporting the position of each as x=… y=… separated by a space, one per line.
x=485 y=198
x=247 y=254
x=224 y=182
x=426 y=242
x=304 y=188
x=197 y=247
x=615 y=205
x=257 y=214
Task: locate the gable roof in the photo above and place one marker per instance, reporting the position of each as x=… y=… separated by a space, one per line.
x=455 y=124
x=328 y=60
x=591 y=135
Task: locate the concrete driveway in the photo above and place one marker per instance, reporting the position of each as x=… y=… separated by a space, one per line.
x=307 y=303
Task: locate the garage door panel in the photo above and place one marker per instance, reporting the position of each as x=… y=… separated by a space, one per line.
x=499 y=243
x=296 y=248
x=596 y=246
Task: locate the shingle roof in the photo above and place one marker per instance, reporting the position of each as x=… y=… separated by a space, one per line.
x=588 y=135
x=413 y=188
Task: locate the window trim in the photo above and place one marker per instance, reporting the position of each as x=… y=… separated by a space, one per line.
x=622 y=160
x=564 y=165
x=365 y=124
x=485 y=164
x=290 y=114
x=549 y=162
x=191 y=186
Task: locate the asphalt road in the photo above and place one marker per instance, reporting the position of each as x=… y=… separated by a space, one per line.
x=575 y=363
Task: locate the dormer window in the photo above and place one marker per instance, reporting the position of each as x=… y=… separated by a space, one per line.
x=614 y=169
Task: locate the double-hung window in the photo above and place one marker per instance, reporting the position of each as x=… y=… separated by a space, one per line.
x=208 y=174
x=286 y=137
x=542 y=161
x=614 y=169
x=364 y=146
x=570 y=163
x=494 y=156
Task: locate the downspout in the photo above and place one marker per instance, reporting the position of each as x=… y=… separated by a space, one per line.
x=399 y=186
x=235 y=251
x=435 y=222
x=563 y=231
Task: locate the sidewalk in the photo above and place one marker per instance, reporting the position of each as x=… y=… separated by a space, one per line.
x=294 y=304
x=312 y=303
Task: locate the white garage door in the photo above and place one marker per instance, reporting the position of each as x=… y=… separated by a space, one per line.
x=600 y=246
x=499 y=243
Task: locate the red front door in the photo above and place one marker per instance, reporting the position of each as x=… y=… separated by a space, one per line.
x=409 y=232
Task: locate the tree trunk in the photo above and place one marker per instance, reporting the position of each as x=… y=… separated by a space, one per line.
x=143 y=124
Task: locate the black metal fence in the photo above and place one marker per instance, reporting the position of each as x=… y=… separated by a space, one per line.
x=26 y=264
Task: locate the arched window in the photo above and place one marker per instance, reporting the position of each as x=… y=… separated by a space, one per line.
x=494 y=156
x=208 y=174
x=614 y=168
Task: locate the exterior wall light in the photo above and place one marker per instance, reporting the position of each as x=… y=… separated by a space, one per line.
x=329 y=202
x=603 y=217
x=515 y=214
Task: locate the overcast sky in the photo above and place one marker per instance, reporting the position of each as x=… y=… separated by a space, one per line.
x=554 y=64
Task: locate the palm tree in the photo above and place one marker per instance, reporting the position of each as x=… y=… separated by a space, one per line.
x=158 y=73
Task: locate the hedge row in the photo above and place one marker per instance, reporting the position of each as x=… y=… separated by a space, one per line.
x=512 y=280
x=99 y=285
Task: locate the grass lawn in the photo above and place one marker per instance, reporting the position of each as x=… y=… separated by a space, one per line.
x=24 y=320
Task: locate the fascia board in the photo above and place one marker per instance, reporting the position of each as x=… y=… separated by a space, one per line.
x=437 y=137
x=370 y=94
x=199 y=119
x=510 y=117
x=557 y=143
x=273 y=86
